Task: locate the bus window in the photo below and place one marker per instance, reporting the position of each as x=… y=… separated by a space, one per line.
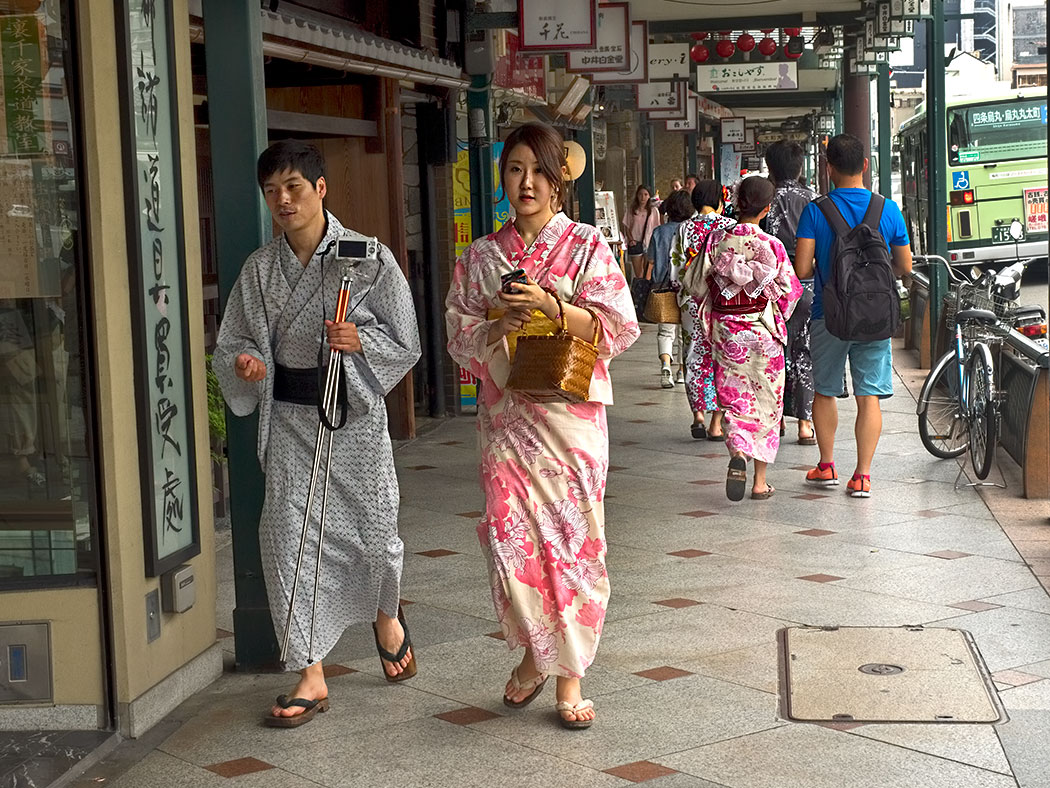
x=1001 y=131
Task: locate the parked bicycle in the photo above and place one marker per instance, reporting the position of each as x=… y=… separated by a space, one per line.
x=959 y=405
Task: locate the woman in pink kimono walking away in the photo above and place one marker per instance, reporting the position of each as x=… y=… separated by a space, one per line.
x=748 y=290
x=543 y=465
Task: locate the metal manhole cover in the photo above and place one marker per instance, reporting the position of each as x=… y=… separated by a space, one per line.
x=881 y=674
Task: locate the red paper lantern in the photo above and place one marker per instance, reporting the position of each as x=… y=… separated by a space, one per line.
x=699 y=36
x=725 y=48
x=724 y=32
x=699 y=53
x=767 y=46
x=746 y=42
x=793 y=31
x=768 y=30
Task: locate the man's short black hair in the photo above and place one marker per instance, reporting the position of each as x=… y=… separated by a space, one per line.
x=679 y=206
x=784 y=160
x=294 y=155
x=846 y=154
x=692 y=175
x=707 y=193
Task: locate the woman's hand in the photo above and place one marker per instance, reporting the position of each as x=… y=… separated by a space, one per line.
x=343 y=336
x=530 y=296
x=512 y=320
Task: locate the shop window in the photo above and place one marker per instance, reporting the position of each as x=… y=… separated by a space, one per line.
x=47 y=524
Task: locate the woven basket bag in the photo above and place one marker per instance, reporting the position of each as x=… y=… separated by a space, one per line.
x=662 y=307
x=555 y=368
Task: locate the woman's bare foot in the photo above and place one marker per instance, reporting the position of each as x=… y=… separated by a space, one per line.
x=568 y=691
x=805 y=429
x=311 y=686
x=526 y=673
x=391 y=636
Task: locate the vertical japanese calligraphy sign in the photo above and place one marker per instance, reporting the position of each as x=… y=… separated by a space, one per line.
x=157 y=260
x=557 y=25
x=20 y=61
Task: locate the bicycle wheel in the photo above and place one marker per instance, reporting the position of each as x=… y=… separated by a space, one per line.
x=983 y=416
x=941 y=425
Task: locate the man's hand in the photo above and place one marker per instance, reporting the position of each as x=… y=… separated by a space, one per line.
x=343 y=336
x=248 y=367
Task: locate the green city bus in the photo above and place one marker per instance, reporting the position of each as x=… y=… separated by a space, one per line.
x=997 y=172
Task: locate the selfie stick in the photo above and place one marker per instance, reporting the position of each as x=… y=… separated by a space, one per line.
x=324 y=433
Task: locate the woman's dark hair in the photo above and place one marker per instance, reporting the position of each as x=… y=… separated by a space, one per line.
x=753 y=196
x=707 y=193
x=635 y=207
x=679 y=206
x=294 y=155
x=784 y=159
x=547 y=146
x=846 y=154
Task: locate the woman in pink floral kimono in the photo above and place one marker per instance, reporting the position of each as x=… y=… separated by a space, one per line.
x=747 y=290
x=543 y=465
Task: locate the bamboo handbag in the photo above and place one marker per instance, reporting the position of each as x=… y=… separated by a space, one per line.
x=662 y=306
x=555 y=368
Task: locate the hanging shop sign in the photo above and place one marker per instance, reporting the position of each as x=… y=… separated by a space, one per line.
x=556 y=26
x=660 y=97
x=605 y=217
x=521 y=72
x=22 y=68
x=599 y=138
x=733 y=130
x=669 y=61
x=917 y=9
x=712 y=109
x=638 y=72
x=748 y=145
x=689 y=122
x=683 y=101
x=156 y=251
x=613 y=49
x=746 y=76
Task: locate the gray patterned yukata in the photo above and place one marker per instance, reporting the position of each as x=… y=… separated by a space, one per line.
x=276 y=312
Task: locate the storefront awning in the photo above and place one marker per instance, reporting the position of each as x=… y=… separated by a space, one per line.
x=345 y=48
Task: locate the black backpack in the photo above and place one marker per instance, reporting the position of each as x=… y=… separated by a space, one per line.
x=860 y=296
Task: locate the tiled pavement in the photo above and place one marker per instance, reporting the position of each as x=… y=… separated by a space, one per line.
x=685 y=682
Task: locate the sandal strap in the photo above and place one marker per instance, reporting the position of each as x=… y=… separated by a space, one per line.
x=406 y=642
x=564 y=705
x=531 y=684
x=286 y=703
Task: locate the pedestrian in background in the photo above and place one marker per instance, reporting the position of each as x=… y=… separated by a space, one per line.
x=784 y=160
x=639 y=221
x=679 y=208
x=688 y=245
x=748 y=290
x=871 y=363
x=543 y=465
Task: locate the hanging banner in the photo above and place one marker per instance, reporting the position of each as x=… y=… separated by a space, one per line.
x=556 y=25
x=639 y=69
x=746 y=76
x=20 y=63
x=613 y=49
x=712 y=109
x=660 y=97
x=689 y=123
x=669 y=61
x=524 y=73
x=160 y=340
x=19 y=273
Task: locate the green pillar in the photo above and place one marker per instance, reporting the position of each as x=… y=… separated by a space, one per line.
x=648 y=154
x=237 y=118
x=690 y=151
x=479 y=131
x=937 y=136
x=585 y=183
x=885 y=133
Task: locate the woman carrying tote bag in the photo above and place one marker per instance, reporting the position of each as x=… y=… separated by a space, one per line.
x=543 y=464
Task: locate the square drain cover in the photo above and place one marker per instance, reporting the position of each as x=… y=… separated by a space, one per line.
x=876 y=674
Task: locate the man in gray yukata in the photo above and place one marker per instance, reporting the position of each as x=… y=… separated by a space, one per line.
x=276 y=318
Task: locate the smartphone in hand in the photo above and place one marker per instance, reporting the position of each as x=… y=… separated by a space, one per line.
x=507 y=280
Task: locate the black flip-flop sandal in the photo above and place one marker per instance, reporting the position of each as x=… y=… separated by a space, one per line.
x=310 y=707
x=736 y=479
x=698 y=431
x=406 y=643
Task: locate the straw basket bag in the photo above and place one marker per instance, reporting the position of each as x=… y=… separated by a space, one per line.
x=555 y=368
x=662 y=306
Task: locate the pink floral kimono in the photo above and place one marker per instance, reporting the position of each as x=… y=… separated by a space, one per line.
x=543 y=465
x=747 y=290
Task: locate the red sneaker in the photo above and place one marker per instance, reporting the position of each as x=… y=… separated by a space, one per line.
x=823 y=475
x=859 y=486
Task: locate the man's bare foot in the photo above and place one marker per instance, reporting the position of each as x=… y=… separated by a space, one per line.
x=391 y=636
x=526 y=674
x=568 y=691
x=311 y=686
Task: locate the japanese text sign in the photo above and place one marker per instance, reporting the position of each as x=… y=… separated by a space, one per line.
x=557 y=25
x=746 y=76
x=669 y=61
x=613 y=50
x=639 y=60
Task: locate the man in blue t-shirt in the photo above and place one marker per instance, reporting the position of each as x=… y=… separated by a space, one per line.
x=871 y=363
